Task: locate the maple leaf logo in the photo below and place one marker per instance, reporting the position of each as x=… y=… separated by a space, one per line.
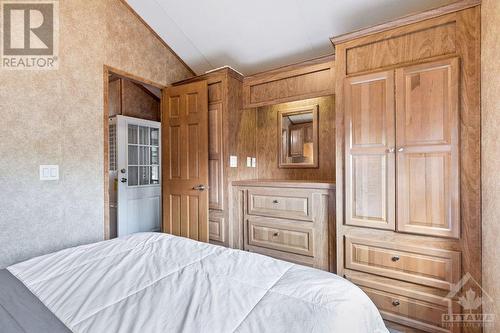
x=470 y=301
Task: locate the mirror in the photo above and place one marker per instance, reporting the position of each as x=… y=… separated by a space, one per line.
x=298 y=137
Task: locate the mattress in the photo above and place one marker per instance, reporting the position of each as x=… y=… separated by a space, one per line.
x=153 y=282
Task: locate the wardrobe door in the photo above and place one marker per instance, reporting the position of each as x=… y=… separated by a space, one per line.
x=370 y=174
x=427 y=148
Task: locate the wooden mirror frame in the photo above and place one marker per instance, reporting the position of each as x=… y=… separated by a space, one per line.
x=293 y=111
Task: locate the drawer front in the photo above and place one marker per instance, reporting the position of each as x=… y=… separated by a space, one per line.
x=408 y=311
x=432 y=267
x=280 y=236
x=284 y=203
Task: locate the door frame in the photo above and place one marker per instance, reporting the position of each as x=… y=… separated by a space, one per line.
x=107 y=70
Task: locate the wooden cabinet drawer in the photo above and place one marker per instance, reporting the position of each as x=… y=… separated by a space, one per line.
x=291 y=204
x=409 y=311
x=281 y=236
x=432 y=267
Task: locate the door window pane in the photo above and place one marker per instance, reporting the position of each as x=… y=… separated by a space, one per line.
x=144 y=153
x=143 y=135
x=143 y=175
x=155 y=136
x=132 y=133
x=133 y=155
x=155 y=156
x=155 y=174
x=132 y=176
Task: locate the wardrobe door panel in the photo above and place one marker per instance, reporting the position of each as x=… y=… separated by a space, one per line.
x=427 y=155
x=215 y=163
x=370 y=198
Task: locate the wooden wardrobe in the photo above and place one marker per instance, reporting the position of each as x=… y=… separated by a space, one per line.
x=407 y=119
x=231 y=132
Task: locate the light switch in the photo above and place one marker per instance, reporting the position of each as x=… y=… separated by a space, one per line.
x=49 y=172
x=254 y=162
x=233 y=161
x=249 y=162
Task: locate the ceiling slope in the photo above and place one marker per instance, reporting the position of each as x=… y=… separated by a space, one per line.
x=257 y=35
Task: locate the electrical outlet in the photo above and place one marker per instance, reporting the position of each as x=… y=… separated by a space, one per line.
x=254 y=162
x=249 y=162
x=49 y=172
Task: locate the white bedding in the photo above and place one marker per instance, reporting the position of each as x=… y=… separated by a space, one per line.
x=152 y=282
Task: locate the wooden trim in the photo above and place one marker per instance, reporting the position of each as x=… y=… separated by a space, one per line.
x=124 y=2
x=284 y=183
x=106 y=71
x=405 y=20
x=211 y=75
x=287 y=68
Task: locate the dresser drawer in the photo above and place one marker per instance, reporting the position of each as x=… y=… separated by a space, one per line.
x=280 y=236
x=432 y=267
x=415 y=313
x=283 y=203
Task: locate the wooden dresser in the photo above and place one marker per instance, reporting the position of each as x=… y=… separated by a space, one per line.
x=407 y=118
x=289 y=220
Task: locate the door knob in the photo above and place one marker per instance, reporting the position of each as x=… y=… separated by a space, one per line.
x=123 y=180
x=401 y=149
x=200 y=187
x=390 y=150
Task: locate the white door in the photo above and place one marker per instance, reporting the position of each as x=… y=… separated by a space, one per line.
x=139 y=184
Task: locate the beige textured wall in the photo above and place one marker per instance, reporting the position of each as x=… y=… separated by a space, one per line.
x=490 y=154
x=56 y=117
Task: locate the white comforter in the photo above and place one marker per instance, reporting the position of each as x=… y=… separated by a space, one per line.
x=153 y=282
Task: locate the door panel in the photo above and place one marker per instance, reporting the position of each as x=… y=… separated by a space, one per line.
x=427 y=155
x=370 y=198
x=185 y=122
x=215 y=155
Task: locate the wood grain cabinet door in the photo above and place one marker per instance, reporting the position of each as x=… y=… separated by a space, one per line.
x=369 y=187
x=427 y=161
x=185 y=151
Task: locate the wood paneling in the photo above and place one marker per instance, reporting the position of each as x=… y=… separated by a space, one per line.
x=268 y=145
x=370 y=142
x=433 y=41
x=291 y=83
x=427 y=155
x=185 y=165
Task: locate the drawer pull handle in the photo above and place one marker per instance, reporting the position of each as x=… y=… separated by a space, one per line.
x=275 y=201
x=395 y=258
x=395 y=303
x=276 y=234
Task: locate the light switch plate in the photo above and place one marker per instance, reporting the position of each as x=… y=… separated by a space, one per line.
x=249 y=162
x=254 y=162
x=49 y=172
x=233 y=161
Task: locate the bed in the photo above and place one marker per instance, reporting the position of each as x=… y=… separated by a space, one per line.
x=154 y=282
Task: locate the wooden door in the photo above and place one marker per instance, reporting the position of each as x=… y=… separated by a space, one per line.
x=185 y=167
x=369 y=122
x=296 y=141
x=427 y=148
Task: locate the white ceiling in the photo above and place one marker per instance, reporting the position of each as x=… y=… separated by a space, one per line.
x=257 y=35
